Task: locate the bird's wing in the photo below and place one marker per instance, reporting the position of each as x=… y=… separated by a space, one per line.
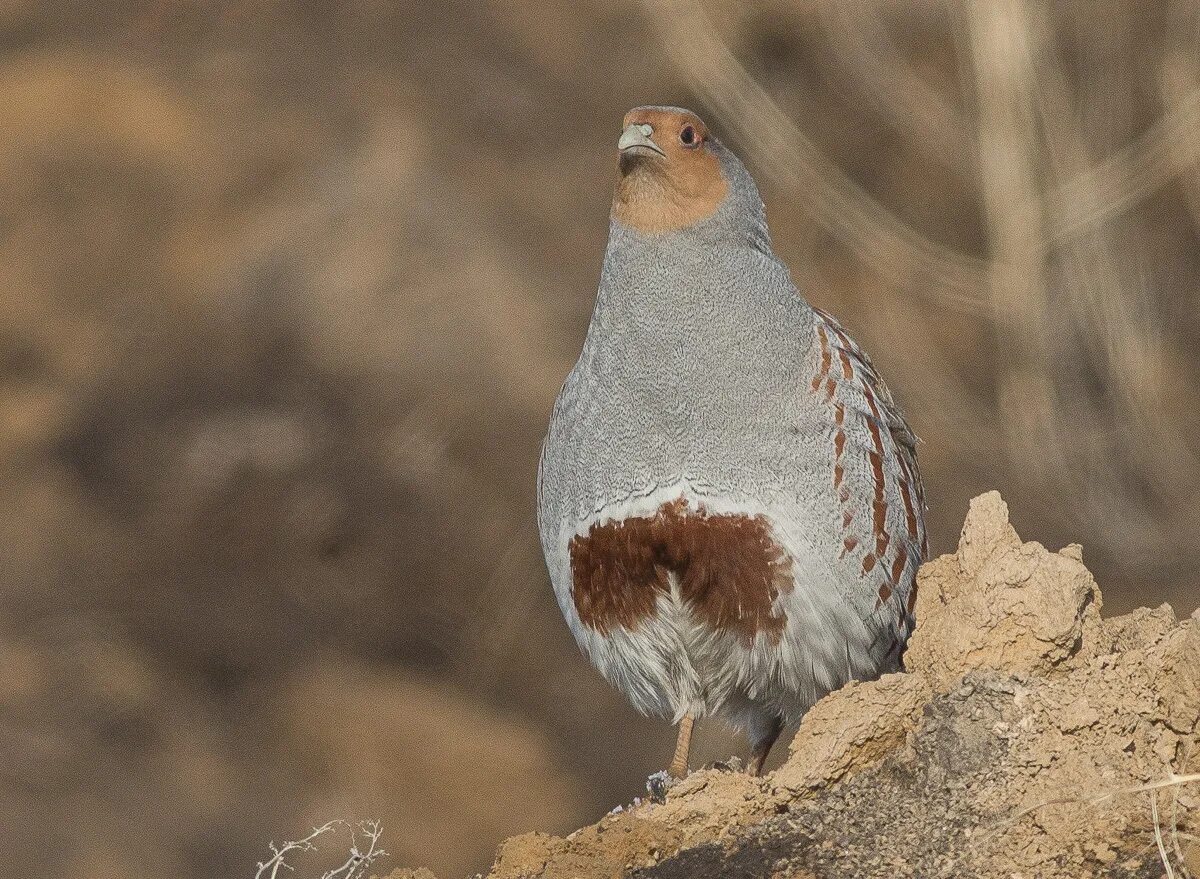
x=875 y=477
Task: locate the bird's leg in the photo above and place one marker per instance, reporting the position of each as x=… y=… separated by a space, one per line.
x=761 y=742
x=683 y=744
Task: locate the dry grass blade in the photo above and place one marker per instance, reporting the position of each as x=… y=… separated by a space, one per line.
x=1158 y=837
x=1175 y=833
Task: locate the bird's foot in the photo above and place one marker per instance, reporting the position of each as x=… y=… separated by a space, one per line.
x=659 y=783
x=732 y=764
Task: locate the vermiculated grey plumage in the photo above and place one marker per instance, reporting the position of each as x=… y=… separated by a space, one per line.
x=707 y=382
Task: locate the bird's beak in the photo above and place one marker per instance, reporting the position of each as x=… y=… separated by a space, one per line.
x=638 y=135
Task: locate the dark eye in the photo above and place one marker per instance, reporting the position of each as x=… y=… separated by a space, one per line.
x=688 y=136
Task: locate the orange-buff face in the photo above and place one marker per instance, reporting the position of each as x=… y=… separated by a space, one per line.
x=670 y=177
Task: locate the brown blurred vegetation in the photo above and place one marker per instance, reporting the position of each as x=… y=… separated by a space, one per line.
x=287 y=290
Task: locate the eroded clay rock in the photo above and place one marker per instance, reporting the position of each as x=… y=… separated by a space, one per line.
x=851 y=729
x=998 y=603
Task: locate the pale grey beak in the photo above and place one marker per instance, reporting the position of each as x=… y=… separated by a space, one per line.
x=638 y=135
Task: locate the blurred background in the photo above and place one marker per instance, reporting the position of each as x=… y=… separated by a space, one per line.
x=287 y=290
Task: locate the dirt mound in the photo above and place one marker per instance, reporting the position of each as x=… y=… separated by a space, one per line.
x=1030 y=737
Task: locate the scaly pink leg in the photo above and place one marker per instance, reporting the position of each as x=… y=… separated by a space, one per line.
x=683 y=744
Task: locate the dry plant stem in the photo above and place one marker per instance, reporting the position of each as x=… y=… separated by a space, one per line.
x=1114 y=312
x=1180 y=88
x=301 y=845
x=1183 y=868
x=1131 y=174
x=1011 y=167
x=355 y=865
x=1158 y=838
x=1030 y=142
x=358 y=861
x=683 y=744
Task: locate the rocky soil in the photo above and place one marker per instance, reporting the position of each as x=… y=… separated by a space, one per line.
x=1030 y=737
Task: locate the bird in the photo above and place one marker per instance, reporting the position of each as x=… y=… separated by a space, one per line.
x=728 y=496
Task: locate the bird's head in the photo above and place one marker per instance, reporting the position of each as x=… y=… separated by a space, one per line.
x=672 y=172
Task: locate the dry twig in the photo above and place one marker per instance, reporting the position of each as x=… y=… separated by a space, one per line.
x=356 y=863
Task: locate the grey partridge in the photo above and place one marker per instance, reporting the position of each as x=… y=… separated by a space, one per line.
x=728 y=498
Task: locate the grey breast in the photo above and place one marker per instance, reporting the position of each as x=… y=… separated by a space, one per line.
x=692 y=366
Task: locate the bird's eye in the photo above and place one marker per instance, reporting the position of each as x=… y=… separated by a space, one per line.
x=688 y=137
